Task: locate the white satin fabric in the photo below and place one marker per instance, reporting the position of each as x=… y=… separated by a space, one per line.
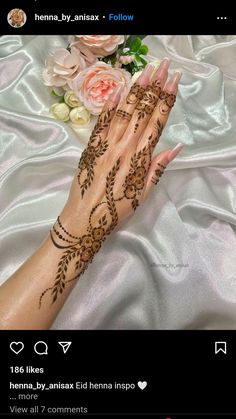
x=188 y=220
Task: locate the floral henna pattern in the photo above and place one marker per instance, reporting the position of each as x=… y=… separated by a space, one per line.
x=158 y=173
x=95 y=149
x=167 y=101
x=134 y=181
x=135 y=94
x=139 y=166
x=79 y=251
x=148 y=102
x=158 y=128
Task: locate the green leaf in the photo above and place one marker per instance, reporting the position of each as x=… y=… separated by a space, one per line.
x=135 y=44
x=57 y=92
x=143 y=49
x=61 y=100
x=129 y=68
x=54 y=94
x=143 y=61
x=110 y=59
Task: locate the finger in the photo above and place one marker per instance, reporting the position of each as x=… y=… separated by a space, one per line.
x=147 y=104
x=126 y=109
x=102 y=126
x=98 y=143
x=160 y=115
x=157 y=167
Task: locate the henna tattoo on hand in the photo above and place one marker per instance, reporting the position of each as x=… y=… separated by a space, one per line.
x=158 y=128
x=135 y=94
x=123 y=115
x=167 y=101
x=135 y=180
x=158 y=173
x=139 y=166
x=95 y=149
x=81 y=250
x=141 y=161
x=148 y=102
x=61 y=236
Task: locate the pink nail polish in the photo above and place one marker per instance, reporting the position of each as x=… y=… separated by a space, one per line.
x=172 y=85
x=162 y=69
x=145 y=76
x=175 y=151
x=115 y=96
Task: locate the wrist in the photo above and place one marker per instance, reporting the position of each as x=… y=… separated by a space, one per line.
x=73 y=219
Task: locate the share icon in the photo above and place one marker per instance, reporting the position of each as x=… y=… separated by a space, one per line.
x=65 y=346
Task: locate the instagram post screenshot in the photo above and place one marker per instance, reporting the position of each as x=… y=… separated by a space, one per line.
x=117 y=209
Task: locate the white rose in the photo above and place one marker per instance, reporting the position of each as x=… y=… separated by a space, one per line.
x=60 y=111
x=71 y=99
x=80 y=115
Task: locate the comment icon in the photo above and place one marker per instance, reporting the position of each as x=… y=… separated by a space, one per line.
x=41 y=348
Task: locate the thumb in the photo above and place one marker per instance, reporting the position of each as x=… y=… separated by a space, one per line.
x=157 y=167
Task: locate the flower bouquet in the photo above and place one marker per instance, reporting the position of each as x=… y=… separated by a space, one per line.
x=84 y=75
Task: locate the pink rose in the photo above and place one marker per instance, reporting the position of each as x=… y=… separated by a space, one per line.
x=126 y=59
x=94 y=85
x=100 y=45
x=64 y=65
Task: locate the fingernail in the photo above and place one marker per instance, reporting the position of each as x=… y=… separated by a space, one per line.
x=145 y=76
x=115 y=96
x=175 y=151
x=172 y=85
x=162 y=69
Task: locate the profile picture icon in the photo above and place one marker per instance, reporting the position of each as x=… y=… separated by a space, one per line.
x=16 y=18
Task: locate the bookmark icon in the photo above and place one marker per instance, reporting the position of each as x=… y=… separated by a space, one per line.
x=65 y=346
x=220 y=347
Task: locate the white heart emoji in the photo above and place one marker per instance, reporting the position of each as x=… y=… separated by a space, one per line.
x=17 y=347
x=142 y=384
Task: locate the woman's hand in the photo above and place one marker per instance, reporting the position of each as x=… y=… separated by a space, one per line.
x=115 y=173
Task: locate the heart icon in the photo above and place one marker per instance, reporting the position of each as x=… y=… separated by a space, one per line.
x=142 y=384
x=17 y=347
